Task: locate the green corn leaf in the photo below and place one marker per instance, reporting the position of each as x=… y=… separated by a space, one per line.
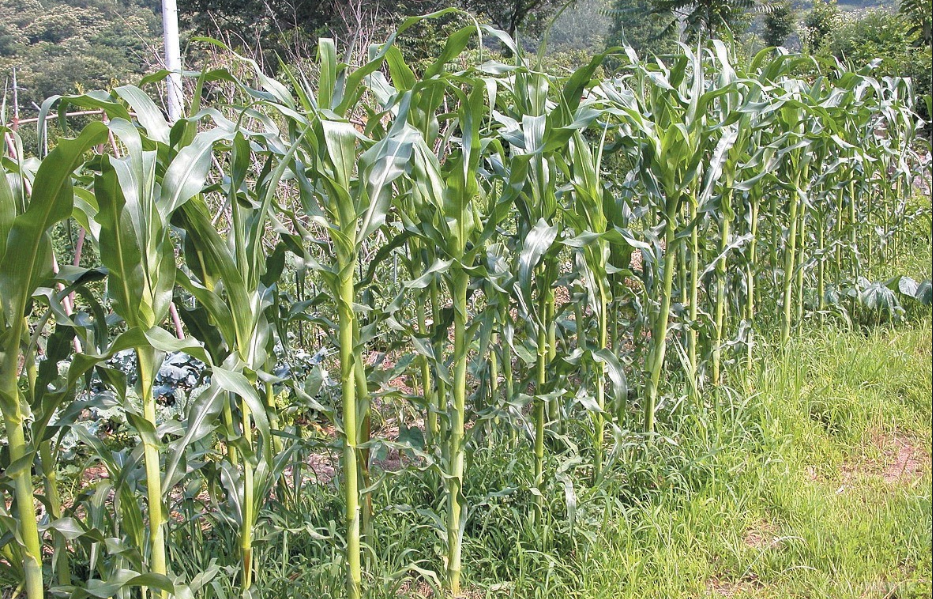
x=536 y=244
x=7 y=209
x=147 y=113
x=382 y=164
x=187 y=172
x=200 y=422
x=27 y=258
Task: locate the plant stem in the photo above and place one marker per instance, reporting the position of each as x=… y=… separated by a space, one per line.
x=426 y=384
x=721 y=264
x=600 y=385
x=50 y=474
x=694 y=295
x=853 y=232
x=23 y=492
x=870 y=230
x=249 y=517
x=362 y=403
x=840 y=204
x=347 y=291
x=775 y=236
x=750 y=275
x=789 y=256
x=13 y=418
x=659 y=334
x=540 y=407
x=273 y=412
x=440 y=391
x=456 y=439
x=821 y=269
x=508 y=376
x=550 y=310
x=801 y=257
x=682 y=279
x=232 y=455
x=493 y=383
x=147 y=368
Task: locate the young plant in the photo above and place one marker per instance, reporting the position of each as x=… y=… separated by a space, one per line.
x=28 y=210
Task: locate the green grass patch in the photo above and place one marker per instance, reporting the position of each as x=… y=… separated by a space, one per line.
x=813 y=480
x=825 y=491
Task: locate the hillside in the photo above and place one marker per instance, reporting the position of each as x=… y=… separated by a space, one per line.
x=64 y=46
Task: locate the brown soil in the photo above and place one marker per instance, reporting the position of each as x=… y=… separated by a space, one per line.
x=716 y=587
x=762 y=535
x=895 y=458
x=93 y=474
x=421 y=590
x=904 y=460
x=323 y=468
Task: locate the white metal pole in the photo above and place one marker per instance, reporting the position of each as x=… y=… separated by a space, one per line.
x=172 y=58
x=173 y=93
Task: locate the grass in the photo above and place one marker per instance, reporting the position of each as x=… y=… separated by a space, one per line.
x=813 y=481
x=826 y=493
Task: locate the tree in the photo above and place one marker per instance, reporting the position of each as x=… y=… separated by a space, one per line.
x=290 y=29
x=881 y=37
x=919 y=13
x=780 y=22
x=820 y=21
x=292 y=26
x=584 y=27
x=63 y=47
x=704 y=18
x=634 y=24
x=512 y=15
x=260 y=26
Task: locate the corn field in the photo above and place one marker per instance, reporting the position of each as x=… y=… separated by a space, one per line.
x=480 y=254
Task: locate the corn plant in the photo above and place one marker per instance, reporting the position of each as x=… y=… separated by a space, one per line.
x=675 y=148
x=354 y=176
x=535 y=131
x=455 y=229
x=595 y=238
x=28 y=209
x=750 y=195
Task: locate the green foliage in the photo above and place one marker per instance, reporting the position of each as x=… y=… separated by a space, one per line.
x=624 y=249
x=884 y=39
x=514 y=16
x=919 y=13
x=262 y=28
x=424 y=40
x=780 y=22
x=61 y=47
x=860 y=37
x=583 y=27
x=634 y=24
x=704 y=19
x=714 y=510
x=289 y=29
x=822 y=19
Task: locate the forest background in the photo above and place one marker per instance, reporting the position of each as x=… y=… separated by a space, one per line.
x=69 y=46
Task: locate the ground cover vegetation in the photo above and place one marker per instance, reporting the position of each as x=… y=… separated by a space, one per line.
x=469 y=328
